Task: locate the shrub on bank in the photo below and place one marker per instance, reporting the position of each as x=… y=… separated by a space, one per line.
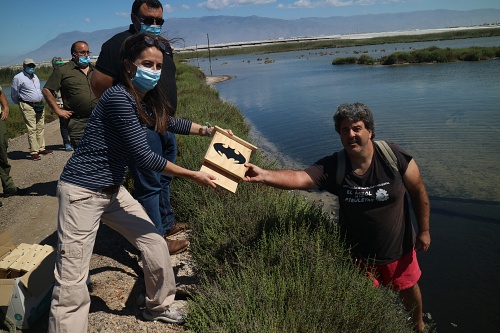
x=268 y=260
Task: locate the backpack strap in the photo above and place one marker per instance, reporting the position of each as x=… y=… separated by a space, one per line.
x=389 y=157
x=340 y=166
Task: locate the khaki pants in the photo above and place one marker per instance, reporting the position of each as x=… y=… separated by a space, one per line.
x=35 y=123
x=80 y=211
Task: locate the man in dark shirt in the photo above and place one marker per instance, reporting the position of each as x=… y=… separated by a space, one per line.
x=374 y=207
x=9 y=188
x=73 y=81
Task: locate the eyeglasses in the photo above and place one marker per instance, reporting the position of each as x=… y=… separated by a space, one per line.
x=83 y=53
x=151 y=20
x=154 y=41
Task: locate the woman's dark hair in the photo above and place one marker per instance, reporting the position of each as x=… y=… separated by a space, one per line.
x=155 y=100
x=354 y=112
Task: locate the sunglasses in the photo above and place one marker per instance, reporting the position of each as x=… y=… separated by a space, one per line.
x=153 y=41
x=151 y=20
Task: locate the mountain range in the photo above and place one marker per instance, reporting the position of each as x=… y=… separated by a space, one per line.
x=228 y=29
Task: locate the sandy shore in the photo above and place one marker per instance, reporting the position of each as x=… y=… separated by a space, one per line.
x=211 y=80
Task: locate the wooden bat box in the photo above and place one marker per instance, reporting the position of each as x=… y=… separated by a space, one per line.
x=225 y=159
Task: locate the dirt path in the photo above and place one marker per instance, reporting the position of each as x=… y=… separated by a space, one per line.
x=33 y=218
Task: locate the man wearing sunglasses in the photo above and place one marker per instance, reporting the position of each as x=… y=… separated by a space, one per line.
x=151 y=189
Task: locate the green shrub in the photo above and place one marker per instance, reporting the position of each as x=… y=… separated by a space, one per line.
x=268 y=260
x=366 y=60
x=344 y=61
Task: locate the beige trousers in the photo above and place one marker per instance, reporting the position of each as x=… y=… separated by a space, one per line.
x=80 y=211
x=35 y=123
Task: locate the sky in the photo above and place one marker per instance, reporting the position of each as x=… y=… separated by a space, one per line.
x=28 y=24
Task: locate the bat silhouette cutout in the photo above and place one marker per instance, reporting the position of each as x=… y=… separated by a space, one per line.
x=229 y=153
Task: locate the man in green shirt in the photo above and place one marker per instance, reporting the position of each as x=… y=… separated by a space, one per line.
x=73 y=81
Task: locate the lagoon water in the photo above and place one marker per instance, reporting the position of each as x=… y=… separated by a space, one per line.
x=446 y=115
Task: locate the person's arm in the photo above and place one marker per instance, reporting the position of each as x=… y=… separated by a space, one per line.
x=51 y=100
x=283 y=179
x=421 y=205
x=14 y=90
x=197 y=129
x=99 y=82
x=5 y=106
x=199 y=177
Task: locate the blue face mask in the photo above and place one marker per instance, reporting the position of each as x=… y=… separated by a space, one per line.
x=30 y=70
x=146 y=78
x=151 y=29
x=84 y=61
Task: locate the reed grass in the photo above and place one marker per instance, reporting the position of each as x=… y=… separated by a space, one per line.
x=268 y=260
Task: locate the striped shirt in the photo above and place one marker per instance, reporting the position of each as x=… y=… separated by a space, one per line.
x=112 y=137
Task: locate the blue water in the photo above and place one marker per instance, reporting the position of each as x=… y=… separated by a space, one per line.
x=446 y=115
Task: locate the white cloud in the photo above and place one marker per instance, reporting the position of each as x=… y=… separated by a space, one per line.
x=87 y=19
x=167 y=8
x=122 y=14
x=221 y=4
x=185 y=7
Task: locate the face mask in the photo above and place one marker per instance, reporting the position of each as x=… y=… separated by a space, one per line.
x=84 y=61
x=151 y=29
x=145 y=78
x=30 y=70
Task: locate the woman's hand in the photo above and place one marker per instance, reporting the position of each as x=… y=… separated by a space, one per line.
x=204 y=179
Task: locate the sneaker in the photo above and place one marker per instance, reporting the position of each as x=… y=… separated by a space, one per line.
x=16 y=191
x=35 y=157
x=176 y=246
x=68 y=147
x=167 y=316
x=46 y=152
x=178 y=227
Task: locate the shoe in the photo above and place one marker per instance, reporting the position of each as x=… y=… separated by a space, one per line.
x=16 y=191
x=178 y=227
x=35 y=157
x=167 y=316
x=1 y=204
x=68 y=147
x=46 y=152
x=176 y=246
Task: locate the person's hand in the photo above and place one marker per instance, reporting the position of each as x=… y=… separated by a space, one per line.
x=254 y=174
x=423 y=241
x=204 y=179
x=5 y=113
x=211 y=131
x=64 y=113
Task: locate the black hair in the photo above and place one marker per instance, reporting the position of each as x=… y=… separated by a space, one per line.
x=154 y=99
x=73 y=46
x=354 y=112
x=150 y=3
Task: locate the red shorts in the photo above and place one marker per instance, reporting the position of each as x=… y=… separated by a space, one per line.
x=399 y=275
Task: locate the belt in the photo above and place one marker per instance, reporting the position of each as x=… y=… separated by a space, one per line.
x=110 y=190
x=30 y=103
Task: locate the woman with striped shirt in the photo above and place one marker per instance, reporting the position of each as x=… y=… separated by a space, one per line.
x=89 y=189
